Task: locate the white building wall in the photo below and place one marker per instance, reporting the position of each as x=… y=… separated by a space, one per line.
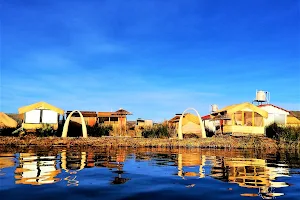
x=211 y=125
x=49 y=117
x=33 y=117
x=275 y=115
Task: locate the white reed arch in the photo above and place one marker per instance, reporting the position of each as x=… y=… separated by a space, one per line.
x=180 y=135
x=66 y=125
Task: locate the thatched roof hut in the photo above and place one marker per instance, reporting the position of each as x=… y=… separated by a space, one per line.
x=38 y=114
x=241 y=119
x=6 y=121
x=40 y=105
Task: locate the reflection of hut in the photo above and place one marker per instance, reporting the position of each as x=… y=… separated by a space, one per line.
x=249 y=173
x=38 y=114
x=6 y=160
x=6 y=121
x=111 y=161
x=114 y=160
x=90 y=160
x=36 y=170
x=191 y=160
x=241 y=119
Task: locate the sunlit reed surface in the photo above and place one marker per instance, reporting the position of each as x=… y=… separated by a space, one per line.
x=148 y=174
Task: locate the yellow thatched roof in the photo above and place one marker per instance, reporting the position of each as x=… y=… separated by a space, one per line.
x=190 y=118
x=292 y=120
x=238 y=107
x=6 y=121
x=40 y=105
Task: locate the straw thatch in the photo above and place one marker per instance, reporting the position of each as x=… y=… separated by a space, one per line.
x=121 y=111
x=40 y=105
x=237 y=107
x=295 y=114
x=118 y=113
x=6 y=121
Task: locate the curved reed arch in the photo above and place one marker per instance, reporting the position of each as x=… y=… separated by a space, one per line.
x=180 y=135
x=66 y=125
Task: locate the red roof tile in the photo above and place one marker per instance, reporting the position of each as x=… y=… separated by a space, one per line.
x=206 y=117
x=263 y=105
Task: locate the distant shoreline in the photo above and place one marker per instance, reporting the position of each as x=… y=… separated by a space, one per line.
x=222 y=142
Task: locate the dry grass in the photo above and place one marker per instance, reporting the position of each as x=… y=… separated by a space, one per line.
x=213 y=142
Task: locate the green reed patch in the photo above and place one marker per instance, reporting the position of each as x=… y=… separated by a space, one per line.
x=157 y=131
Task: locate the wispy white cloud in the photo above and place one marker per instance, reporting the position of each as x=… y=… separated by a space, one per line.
x=153 y=58
x=99 y=89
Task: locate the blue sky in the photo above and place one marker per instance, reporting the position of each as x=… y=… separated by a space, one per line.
x=152 y=57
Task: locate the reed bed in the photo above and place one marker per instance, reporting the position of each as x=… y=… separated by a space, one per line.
x=219 y=142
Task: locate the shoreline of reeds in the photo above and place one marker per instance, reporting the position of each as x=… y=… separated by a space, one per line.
x=216 y=142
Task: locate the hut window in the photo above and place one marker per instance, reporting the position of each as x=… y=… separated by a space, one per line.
x=49 y=117
x=258 y=120
x=33 y=117
x=228 y=122
x=103 y=119
x=114 y=119
x=238 y=118
x=248 y=118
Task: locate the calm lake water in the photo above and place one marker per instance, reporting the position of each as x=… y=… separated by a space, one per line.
x=148 y=174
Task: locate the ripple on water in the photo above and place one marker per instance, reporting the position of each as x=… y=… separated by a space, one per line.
x=126 y=174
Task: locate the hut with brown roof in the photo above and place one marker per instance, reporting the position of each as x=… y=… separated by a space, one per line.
x=117 y=119
x=90 y=117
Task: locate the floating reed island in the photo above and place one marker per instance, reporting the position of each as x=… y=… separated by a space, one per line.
x=217 y=142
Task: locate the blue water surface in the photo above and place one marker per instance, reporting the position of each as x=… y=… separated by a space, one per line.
x=148 y=174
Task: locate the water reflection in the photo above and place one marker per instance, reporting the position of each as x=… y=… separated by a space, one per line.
x=114 y=167
x=6 y=160
x=191 y=160
x=71 y=163
x=251 y=173
x=36 y=170
x=113 y=160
